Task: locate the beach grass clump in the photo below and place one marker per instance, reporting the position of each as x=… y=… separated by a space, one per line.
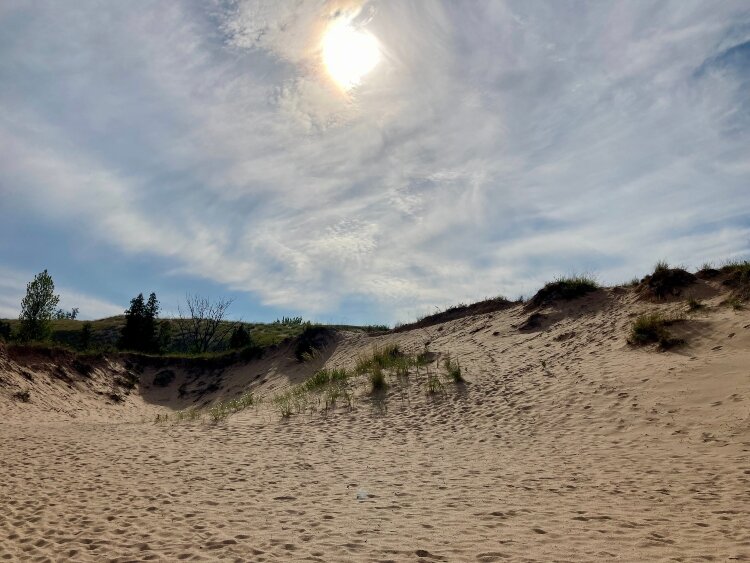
x=565 y=289
x=324 y=377
x=377 y=379
x=666 y=281
x=283 y=404
x=738 y=278
x=434 y=384
x=653 y=328
x=453 y=368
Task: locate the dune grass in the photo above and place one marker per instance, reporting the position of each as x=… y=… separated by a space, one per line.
x=453 y=369
x=653 y=328
x=565 y=288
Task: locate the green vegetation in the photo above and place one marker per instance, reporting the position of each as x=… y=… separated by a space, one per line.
x=5 y=330
x=434 y=385
x=240 y=338
x=139 y=332
x=310 y=342
x=377 y=379
x=37 y=308
x=652 y=328
x=735 y=303
x=666 y=281
x=453 y=368
x=565 y=289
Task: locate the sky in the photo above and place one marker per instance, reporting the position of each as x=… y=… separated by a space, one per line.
x=203 y=147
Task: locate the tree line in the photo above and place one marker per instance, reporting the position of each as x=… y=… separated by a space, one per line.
x=201 y=326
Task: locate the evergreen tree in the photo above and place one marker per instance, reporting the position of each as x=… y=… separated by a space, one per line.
x=38 y=307
x=139 y=332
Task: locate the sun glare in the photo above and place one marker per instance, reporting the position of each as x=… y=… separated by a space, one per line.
x=349 y=53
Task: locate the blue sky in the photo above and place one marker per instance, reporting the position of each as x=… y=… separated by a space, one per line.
x=201 y=147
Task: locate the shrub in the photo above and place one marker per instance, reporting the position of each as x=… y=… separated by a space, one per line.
x=564 y=289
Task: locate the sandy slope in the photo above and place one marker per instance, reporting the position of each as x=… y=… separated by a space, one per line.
x=566 y=444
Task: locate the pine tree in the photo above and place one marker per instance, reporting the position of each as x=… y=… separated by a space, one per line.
x=139 y=332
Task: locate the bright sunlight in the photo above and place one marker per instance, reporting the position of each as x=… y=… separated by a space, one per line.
x=349 y=53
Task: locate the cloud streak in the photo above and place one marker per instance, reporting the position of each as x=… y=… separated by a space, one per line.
x=494 y=146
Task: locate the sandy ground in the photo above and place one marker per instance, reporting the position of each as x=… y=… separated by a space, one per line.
x=565 y=444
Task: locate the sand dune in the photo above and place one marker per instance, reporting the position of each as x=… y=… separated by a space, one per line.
x=565 y=444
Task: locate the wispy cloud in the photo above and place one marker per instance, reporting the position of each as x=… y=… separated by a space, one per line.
x=495 y=145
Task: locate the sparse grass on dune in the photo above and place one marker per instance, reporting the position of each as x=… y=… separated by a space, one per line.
x=653 y=328
x=327 y=388
x=666 y=281
x=565 y=289
x=453 y=368
x=215 y=413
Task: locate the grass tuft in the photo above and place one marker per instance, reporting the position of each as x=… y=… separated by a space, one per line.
x=565 y=289
x=453 y=368
x=377 y=379
x=652 y=328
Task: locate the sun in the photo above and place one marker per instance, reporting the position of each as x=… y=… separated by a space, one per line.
x=349 y=53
